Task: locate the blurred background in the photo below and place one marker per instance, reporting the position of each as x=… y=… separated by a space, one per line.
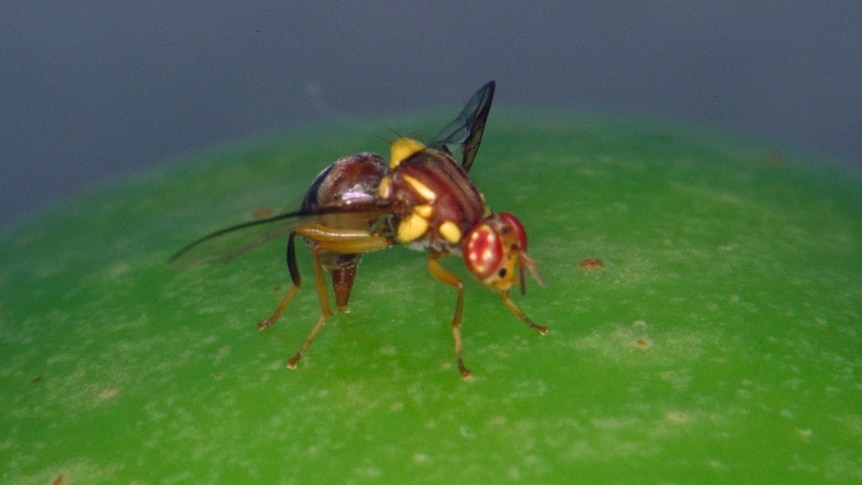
x=94 y=90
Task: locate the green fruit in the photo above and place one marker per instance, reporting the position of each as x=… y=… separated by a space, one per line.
x=718 y=341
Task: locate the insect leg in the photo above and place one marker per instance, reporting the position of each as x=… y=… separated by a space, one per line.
x=325 y=312
x=297 y=282
x=344 y=241
x=340 y=251
x=450 y=279
x=504 y=295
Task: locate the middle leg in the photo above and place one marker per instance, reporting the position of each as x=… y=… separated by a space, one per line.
x=451 y=279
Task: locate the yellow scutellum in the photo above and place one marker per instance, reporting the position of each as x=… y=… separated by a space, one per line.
x=402 y=149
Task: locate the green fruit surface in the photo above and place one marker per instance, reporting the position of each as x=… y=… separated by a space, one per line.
x=720 y=341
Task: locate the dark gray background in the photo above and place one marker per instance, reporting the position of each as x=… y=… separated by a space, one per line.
x=90 y=91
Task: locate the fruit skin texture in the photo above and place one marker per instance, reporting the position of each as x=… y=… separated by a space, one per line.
x=717 y=341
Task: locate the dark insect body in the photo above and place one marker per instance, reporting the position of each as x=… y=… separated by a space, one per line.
x=422 y=198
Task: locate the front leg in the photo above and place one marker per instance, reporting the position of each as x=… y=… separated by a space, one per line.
x=504 y=295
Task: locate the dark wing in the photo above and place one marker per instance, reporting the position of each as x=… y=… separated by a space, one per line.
x=466 y=130
x=230 y=242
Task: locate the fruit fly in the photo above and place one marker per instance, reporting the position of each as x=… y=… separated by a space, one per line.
x=422 y=198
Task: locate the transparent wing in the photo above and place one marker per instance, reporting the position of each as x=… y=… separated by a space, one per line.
x=466 y=130
x=230 y=242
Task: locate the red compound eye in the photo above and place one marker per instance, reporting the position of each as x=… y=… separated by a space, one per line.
x=517 y=228
x=483 y=250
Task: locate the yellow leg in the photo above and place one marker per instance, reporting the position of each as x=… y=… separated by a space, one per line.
x=343 y=241
x=297 y=282
x=450 y=279
x=504 y=295
x=323 y=296
x=338 y=241
x=263 y=324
